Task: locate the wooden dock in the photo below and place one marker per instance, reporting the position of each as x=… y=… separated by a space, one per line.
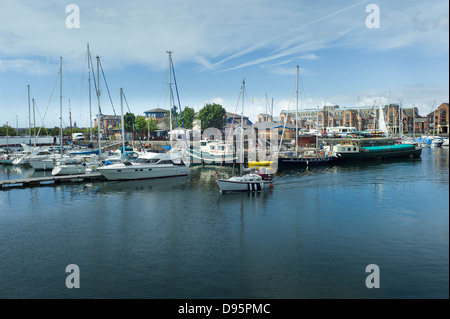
x=45 y=180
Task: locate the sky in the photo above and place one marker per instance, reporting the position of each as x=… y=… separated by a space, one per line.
x=350 y=53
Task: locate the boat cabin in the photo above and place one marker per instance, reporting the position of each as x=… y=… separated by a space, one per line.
x=347 y=146
x=340 y=131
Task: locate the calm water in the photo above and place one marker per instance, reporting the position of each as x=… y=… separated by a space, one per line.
x=312 y=236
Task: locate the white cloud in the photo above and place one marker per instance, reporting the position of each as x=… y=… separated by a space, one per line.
x=259 y=39
x=216 y=100
x=443 y=23
x=25 y=66
x=308 y=56
x=140 y=32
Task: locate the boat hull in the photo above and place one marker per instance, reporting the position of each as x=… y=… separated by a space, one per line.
x=305 y=161
x=122 y=172
x=6 y=161
x=235 y=186
x=375 y=155
x=68 y=170
x=42 y=165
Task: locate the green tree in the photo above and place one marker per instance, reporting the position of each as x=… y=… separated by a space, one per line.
x=152 y=125
x=166 y=119
x=77 y=130
x=129 y=118
x=54 y=131
x=188 y=117
x=11 y=131
x=39 y=131
x=141 y=125
x=212 y=115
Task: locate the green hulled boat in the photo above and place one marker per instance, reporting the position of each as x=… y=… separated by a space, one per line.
x=351 y=150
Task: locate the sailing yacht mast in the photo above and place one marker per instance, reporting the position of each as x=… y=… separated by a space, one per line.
x=434 y=119
x=317 y=129
x=358 y=116
x=399 y=117
x=7 y=138
x=123 y=124
x=29 y=114
x=242 y=129
x=98 y=100
x=296 y=120
x=89 y=81
x=60 y=103
x=34 y=124
x=170 y=96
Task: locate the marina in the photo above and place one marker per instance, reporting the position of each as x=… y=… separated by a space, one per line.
x=292 y=151
x=151 y=164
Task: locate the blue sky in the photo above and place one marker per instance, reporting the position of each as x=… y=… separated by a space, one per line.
x=215 y=45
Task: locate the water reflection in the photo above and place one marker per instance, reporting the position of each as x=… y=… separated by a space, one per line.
x=159 y=184
x=311 y=236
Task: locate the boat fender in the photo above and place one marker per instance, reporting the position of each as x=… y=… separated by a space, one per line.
x=271 y=185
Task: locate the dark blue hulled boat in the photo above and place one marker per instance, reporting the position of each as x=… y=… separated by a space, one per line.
x=293 y=160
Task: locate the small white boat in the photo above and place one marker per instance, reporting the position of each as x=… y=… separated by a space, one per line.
x=445 y=143
x=22 y=158
x=255 y=181
x=42 y=164
x=7 y=159
x=437 y=142
x=146 y=166
x=245 y=183
x=69 y=168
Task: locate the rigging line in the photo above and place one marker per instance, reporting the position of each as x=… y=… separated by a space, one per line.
x=82 y=91
x=109 y=94
x=95 y=83
x=231 y=128
x=134 y=125
x=45 y=113
x=285 y=120
x=179 y=105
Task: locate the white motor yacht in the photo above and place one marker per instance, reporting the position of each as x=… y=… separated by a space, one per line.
x=146 y=166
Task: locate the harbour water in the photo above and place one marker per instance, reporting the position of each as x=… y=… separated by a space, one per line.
x=312 y=236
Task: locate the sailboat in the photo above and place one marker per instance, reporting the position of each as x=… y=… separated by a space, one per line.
x=5 y=157
x=48 y=162
x=254 y=181
x=297 y=159
x=149 y=164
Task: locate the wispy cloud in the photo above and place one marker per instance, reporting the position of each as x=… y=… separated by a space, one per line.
x=137 y=32
x=216 y=42
x=308 y=56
